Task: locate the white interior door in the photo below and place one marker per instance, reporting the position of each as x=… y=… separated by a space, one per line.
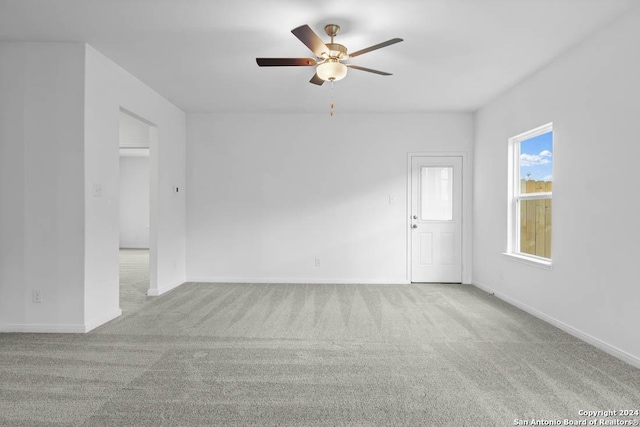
x=436 y=219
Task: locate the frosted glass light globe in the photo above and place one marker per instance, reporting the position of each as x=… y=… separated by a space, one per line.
x=331 y=70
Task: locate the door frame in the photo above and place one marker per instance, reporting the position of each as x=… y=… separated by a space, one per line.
x=466 y=213
x=154 y=167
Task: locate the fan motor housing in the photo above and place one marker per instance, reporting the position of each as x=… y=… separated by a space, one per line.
x=337 y=50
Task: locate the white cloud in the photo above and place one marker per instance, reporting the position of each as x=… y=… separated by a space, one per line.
x=548 y=178
x=535 y=159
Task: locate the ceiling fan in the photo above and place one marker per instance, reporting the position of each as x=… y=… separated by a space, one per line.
x=329 y=57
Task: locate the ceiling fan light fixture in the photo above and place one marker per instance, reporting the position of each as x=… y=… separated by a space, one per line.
x=328 y=56
x=331 y=70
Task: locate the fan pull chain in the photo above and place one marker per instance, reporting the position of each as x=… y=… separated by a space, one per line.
x=331 y=109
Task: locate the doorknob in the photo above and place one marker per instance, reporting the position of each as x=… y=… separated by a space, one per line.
x=414 y=226
x=415 y=217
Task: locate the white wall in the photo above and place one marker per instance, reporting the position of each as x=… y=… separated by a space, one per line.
x=134 y=202
x=591 y=95
x=59 y=138
x=270 y=193
x=108 y=87
x=41 y=186
x=133 y=133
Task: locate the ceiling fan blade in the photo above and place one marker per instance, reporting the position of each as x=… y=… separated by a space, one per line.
x=374 y=47
x=285 y=62
x=311 y=40
x=316 y=80
x=382 y=73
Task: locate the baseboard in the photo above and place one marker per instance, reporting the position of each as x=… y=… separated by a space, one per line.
x=102 y=320
x=483 y=287
x=157 y=292
x=607 y=348
x=59 y=329
x=43 y=329
x=296 y=280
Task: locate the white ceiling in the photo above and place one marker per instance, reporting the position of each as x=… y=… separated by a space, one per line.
x=200 y=54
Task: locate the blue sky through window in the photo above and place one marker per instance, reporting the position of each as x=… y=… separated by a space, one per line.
x=536 y=158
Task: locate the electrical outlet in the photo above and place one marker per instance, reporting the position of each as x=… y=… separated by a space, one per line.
x=97 y=190
x=317 y=262
x=37 y=296
x=392 y=200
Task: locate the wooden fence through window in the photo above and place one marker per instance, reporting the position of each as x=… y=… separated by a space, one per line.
x=535 y=219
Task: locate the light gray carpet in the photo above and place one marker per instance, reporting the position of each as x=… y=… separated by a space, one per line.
x=278 y=354
x=134 y=279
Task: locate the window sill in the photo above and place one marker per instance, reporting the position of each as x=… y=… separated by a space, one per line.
x=534 y=262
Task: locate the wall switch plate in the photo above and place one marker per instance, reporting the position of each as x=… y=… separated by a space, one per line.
x=37 y=296
x=317 y=262
x=392 y=200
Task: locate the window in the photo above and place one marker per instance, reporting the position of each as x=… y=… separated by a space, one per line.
x=437 y=193
x=530 y=190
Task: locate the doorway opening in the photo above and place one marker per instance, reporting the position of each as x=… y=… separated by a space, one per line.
x=135 y=222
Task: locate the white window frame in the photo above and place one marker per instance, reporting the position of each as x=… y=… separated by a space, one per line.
x=513 y=216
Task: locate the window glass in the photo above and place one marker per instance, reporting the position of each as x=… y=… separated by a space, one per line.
x=535 y=227
x=536 y=164
x=436 y=184
x=531 y=175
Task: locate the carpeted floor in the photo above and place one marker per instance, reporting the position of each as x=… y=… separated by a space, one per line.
x=134 y=279
x=281 y=354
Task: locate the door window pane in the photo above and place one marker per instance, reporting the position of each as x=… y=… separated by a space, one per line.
x=436 y=186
